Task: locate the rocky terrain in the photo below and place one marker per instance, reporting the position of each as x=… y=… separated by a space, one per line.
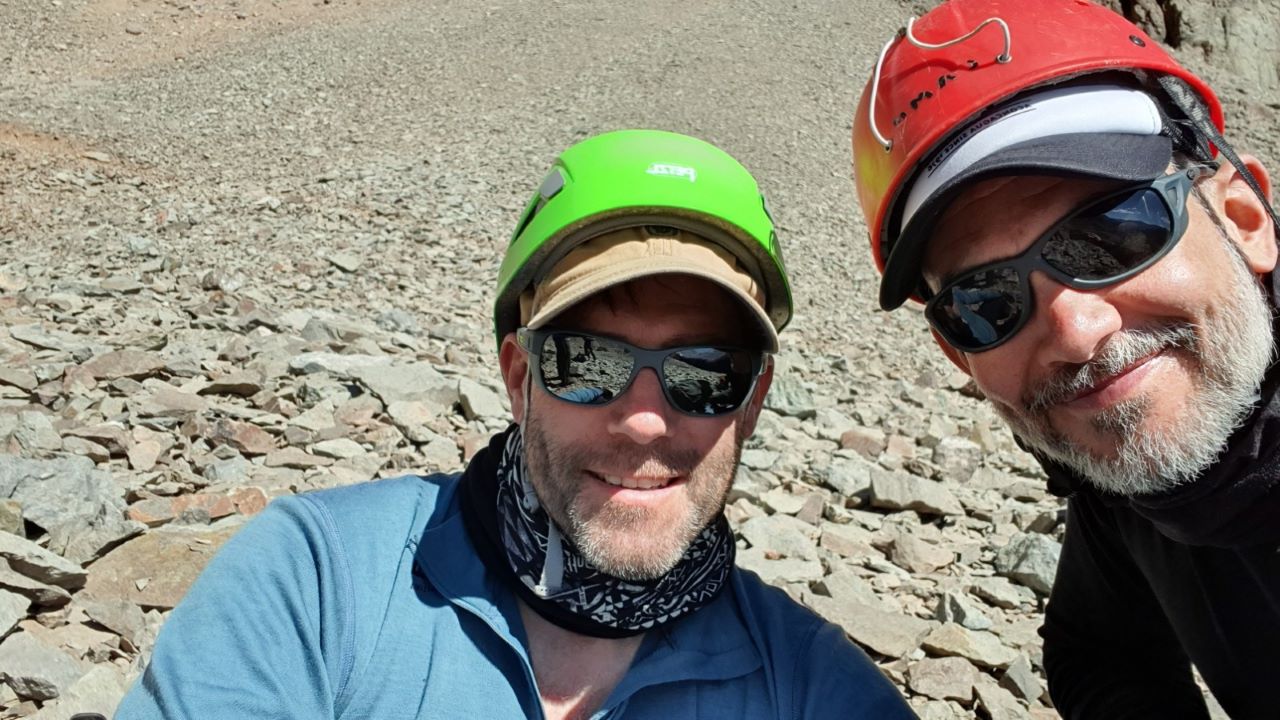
x=248 y=248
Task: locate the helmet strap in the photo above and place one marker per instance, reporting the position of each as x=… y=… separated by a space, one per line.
x=1185 y=99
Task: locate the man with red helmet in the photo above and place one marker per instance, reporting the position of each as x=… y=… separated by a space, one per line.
x=1056 y=189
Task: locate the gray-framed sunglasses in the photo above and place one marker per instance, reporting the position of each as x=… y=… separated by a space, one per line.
x=1108 y=240
x=586 y=369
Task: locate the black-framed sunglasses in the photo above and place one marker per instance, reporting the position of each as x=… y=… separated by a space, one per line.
x=1107 y=241
x=586 y=369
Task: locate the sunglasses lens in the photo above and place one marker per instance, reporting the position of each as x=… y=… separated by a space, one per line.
x=584 y=370
x=980 y=310
x=708 y=381
x=1112 y=238
x=590 y=370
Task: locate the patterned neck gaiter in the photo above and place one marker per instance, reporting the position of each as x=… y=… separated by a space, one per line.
x=521 y=544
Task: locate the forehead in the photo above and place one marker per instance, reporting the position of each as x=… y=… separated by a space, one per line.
x=1000 y=217
x=662 y=310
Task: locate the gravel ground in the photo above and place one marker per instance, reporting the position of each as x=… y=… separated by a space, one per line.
x=350 y=172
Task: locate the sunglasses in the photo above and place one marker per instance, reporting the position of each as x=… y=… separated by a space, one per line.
x=1105 y=242
x=584 y=369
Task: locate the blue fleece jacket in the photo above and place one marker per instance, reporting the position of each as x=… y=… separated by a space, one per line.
x=370 y=602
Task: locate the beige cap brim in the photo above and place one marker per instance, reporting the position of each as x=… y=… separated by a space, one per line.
x=631 y=253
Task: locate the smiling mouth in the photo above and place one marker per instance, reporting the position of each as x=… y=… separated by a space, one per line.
x=636 y=483
x=1104 y=383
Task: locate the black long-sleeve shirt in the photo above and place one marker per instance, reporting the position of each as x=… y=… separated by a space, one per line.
x=1131 y=609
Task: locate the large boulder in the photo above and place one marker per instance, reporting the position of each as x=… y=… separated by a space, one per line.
x=36 y=670
x=156 y=569
x=80 y=506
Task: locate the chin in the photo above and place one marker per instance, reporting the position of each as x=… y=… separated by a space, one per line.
x=1128 y=452
x=649 y=562
x=631 y=543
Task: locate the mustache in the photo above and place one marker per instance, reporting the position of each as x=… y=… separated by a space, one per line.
x=1121 y=350
x=638 y=462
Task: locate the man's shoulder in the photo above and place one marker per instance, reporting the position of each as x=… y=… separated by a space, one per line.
x=375 y=512
x=770 y=609
x=785 y=628
x=403 y=494
x=813 y=657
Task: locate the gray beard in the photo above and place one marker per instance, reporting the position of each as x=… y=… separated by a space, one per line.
x=1232 y=351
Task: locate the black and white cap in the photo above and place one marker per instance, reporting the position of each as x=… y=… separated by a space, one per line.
x=1104 y=131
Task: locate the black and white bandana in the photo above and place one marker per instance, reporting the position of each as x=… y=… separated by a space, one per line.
x=547 y=572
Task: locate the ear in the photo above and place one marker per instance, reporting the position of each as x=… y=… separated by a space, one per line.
x=751 y=412
x=956 y=357
x=1245 y=215
x=514 y=363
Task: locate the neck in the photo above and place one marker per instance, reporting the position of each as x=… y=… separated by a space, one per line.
x=575 y=673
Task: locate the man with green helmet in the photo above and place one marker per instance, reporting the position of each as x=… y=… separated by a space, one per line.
x=581 y=566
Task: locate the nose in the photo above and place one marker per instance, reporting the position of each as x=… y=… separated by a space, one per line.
x=1074 y=323
x=642 y=413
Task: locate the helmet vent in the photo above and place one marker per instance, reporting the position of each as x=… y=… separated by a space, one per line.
x=661 y=230
x=550 y=187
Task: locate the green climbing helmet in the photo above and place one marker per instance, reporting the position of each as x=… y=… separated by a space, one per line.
x=629 y=178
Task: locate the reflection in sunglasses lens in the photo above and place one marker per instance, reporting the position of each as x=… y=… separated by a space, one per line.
x=982 y=309
x=1112 y=239
x=585 y=370
x=707 y=381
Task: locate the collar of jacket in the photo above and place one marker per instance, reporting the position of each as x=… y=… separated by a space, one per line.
x=712 y=644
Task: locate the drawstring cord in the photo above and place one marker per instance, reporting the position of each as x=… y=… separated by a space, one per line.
x=908 y=32
x=1189 y=103
x=552 y=579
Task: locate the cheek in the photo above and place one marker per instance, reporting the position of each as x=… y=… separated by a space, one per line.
x=1172 y=277
x=718 y=441
x=704 y=442
x=1198 y=266
x=1001 y=374
x=713 y=433
x=1180 y=274
x=556 y=420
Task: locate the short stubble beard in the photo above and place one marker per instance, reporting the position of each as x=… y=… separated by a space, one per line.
x=602 y=536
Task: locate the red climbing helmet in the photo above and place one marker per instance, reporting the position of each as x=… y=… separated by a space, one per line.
x=940 y=72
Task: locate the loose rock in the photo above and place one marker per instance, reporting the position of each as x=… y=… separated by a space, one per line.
x=955 y=607
x=886 y=633
x=13 y=607
x=918 y=556
x=982 y=648
x=35 y=562
x=1030 y=559
x=35 y=670
x=781 y=534
x=950 y=678
x=1021 y=680
x=899 y=491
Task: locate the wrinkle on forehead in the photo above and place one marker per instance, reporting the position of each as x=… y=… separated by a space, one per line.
x=1000 y=217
